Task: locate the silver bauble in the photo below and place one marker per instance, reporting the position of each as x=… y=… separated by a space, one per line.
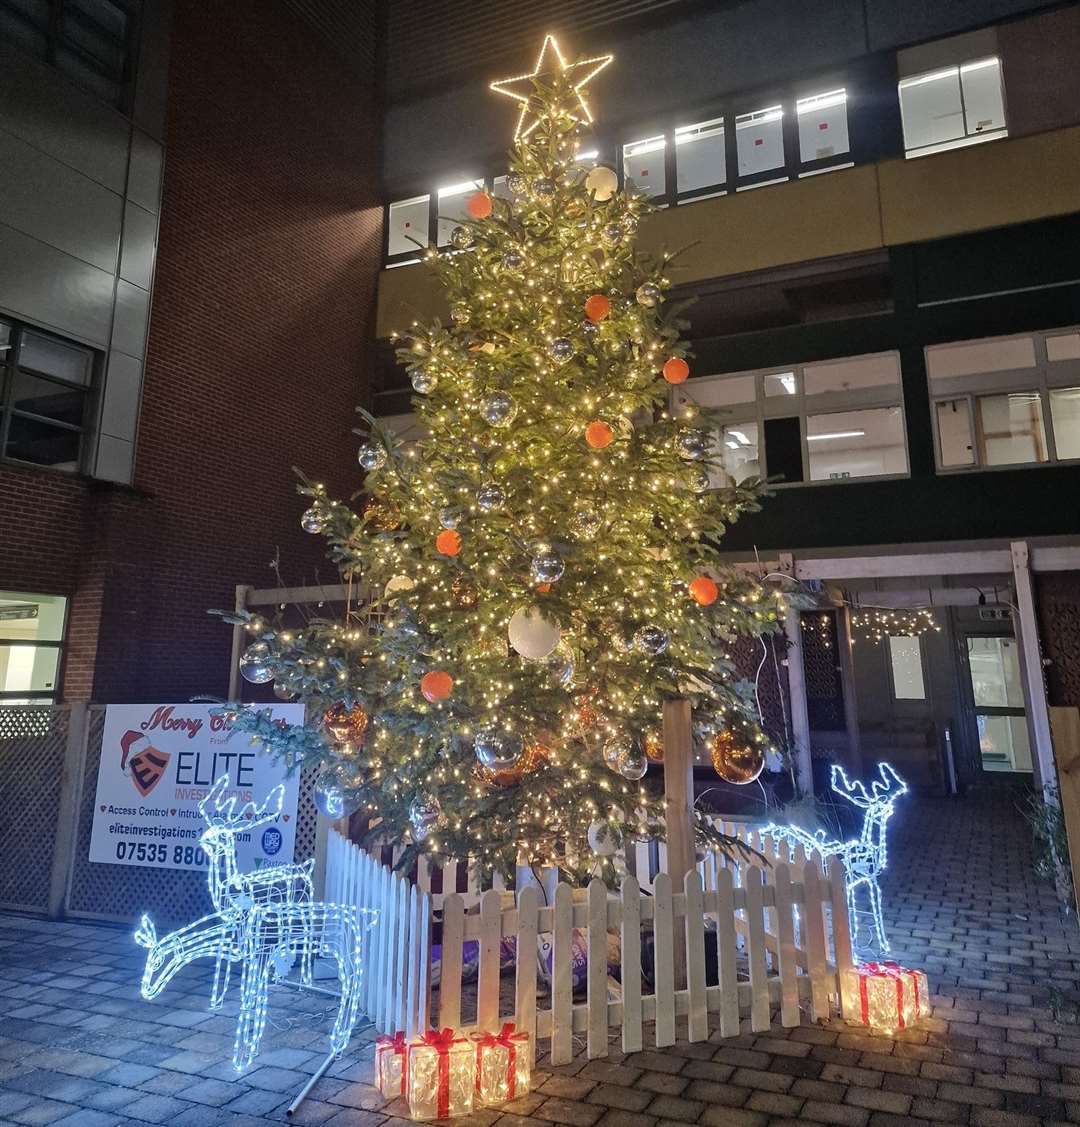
x=615 y=747
x=634 y=763
x=630 y=224
x=449 y=518
x=648 y=294
x=561 y=349
x=425 y=816
x=561 y=664
x=332 y=797
x=512 y=260
x=496 y=749
x=698 y=479
x=612 y=234
x=517 y=183
x=692 y=444
x=371 y=456
x=313 y=519
x=283 y=692
x=544 y=187
x=585 y=523
x=589 y=328
x=460 y=314
x=461 y=237
x=547 y=566
x=490 y=497
x=651 y=640
x=424 y=382
x=253 y=664
x=499 y=409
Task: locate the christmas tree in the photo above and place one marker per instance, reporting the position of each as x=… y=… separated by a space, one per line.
x=540 y=569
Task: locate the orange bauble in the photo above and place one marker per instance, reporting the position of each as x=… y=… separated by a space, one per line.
x=735 y=758
x=598 y=434
x=597 y=307
x=436 y=685
x=346 y=725
x=676 y=370
x=478 y=205
x=543 y=588
x=654 y=747
x=448 y=542
x=704 y=591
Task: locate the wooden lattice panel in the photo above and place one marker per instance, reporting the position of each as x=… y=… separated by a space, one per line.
x=33 y=739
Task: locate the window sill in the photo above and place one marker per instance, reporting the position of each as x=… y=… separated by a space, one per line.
x=959 y=143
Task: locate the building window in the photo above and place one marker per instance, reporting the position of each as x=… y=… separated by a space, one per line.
x=906 y=667
x=700 y=157
x=643 y=166
x=89 y=40
x=954 y=106
x=45 y=383
x=407 y=227
x=823 y=422
x=759 y=141
x=1006 y=401
x=31 y=636
x=452 y=200
x=823 y=126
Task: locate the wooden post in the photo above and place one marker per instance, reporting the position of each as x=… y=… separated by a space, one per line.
x=800 y=718
x=844 y=643
x=1065 y=725
x=240 y=604
x=1027 y=631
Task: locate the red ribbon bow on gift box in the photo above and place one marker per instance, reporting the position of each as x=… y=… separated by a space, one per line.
x=395 y=1044
x=508 y=1039
x=441 y=1043
x=895 y=971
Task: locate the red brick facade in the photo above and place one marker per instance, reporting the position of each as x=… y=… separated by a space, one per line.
x=269 y=247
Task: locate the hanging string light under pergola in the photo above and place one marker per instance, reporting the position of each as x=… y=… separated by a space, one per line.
x=880 y=623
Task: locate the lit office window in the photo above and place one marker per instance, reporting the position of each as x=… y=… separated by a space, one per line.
x=823 y=126
x=1006 y=401
x=408 y=226
x=739 y=451
x=856 y=444
x=780 y=384
x=759 y=140
x=31 y=636
x=451 y=201
x=954 y=106
x=700 y=156
x=643 y=166
x=44 y=392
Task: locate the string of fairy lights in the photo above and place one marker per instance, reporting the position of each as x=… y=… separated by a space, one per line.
x=873 y=624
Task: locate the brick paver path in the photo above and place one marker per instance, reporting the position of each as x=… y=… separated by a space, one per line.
x=78 y=1045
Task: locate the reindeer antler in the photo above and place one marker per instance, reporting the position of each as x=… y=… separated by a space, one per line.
x=215 y=808
x=888 y=777
x=146 y=933
x=854 y=792
x=251 y=815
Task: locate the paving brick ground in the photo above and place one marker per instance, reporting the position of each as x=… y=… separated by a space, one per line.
x=1002 y=1049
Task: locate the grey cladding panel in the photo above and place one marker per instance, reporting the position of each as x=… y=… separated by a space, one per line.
x=51 y=288
x=897 y=23
x=132 y=316
x=120 y=406
x=144 y=175
x=52 y=202
x=137 y=253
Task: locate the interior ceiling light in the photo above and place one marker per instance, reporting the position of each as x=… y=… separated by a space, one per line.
x=835 y=434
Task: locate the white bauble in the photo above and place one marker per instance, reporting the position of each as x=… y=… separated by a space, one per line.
x=531 y=635
x=601 y=839
x=602 y=183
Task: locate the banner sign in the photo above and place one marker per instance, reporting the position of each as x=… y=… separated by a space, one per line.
x=157 y=763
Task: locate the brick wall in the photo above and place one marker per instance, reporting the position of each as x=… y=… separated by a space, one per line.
x=269 y=247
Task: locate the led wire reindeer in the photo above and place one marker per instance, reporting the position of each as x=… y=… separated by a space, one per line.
x=865 y=856
x=232 y=891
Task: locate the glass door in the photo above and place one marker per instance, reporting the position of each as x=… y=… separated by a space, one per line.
x=997 y=695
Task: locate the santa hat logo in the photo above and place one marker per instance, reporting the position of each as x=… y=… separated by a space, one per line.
x=144 y=763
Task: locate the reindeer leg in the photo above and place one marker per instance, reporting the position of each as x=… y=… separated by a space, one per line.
x=874 y=892
x=254 y=990
x=222 y=971
x=349 y=971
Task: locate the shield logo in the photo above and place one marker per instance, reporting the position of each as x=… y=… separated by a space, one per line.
x=144 y=763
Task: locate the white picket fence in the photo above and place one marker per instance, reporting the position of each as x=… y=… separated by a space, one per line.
x=778 y=928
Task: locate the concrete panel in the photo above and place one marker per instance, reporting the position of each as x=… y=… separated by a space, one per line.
x=120 y=402
x=897 y=23
x=52 y=202
x=43 y=108
x=52 y=289
x=132 y=316
x=988 y=185
x=115 y=459
x=1042 y=87
x=144 y=175
x=137 y=250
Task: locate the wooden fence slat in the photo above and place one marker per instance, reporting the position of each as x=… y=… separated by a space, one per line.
x=841 y=934
x=562 y=999
x=697 y=1016
x=813 y=927
x=525 y=970
x=664 y=960
x=630 y=936
x=788 y=959
x=725 y=954
x=759 y=987
x=453 y=938
x=596 y=971
x=487 y=986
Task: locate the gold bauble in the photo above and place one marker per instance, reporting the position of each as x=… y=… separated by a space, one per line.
x=532 y=757
x=654 y=747
x=381 y=517
x=735 y=758
x=346 y=725
x=464 y=593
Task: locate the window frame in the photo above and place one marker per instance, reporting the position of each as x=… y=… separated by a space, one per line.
x=968 y=138
x=10 y=366
x=802 y=406
x=1043 y=377
x=39 y=696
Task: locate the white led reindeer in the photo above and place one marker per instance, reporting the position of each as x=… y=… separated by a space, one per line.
x=233 y=891
x=865 y=856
